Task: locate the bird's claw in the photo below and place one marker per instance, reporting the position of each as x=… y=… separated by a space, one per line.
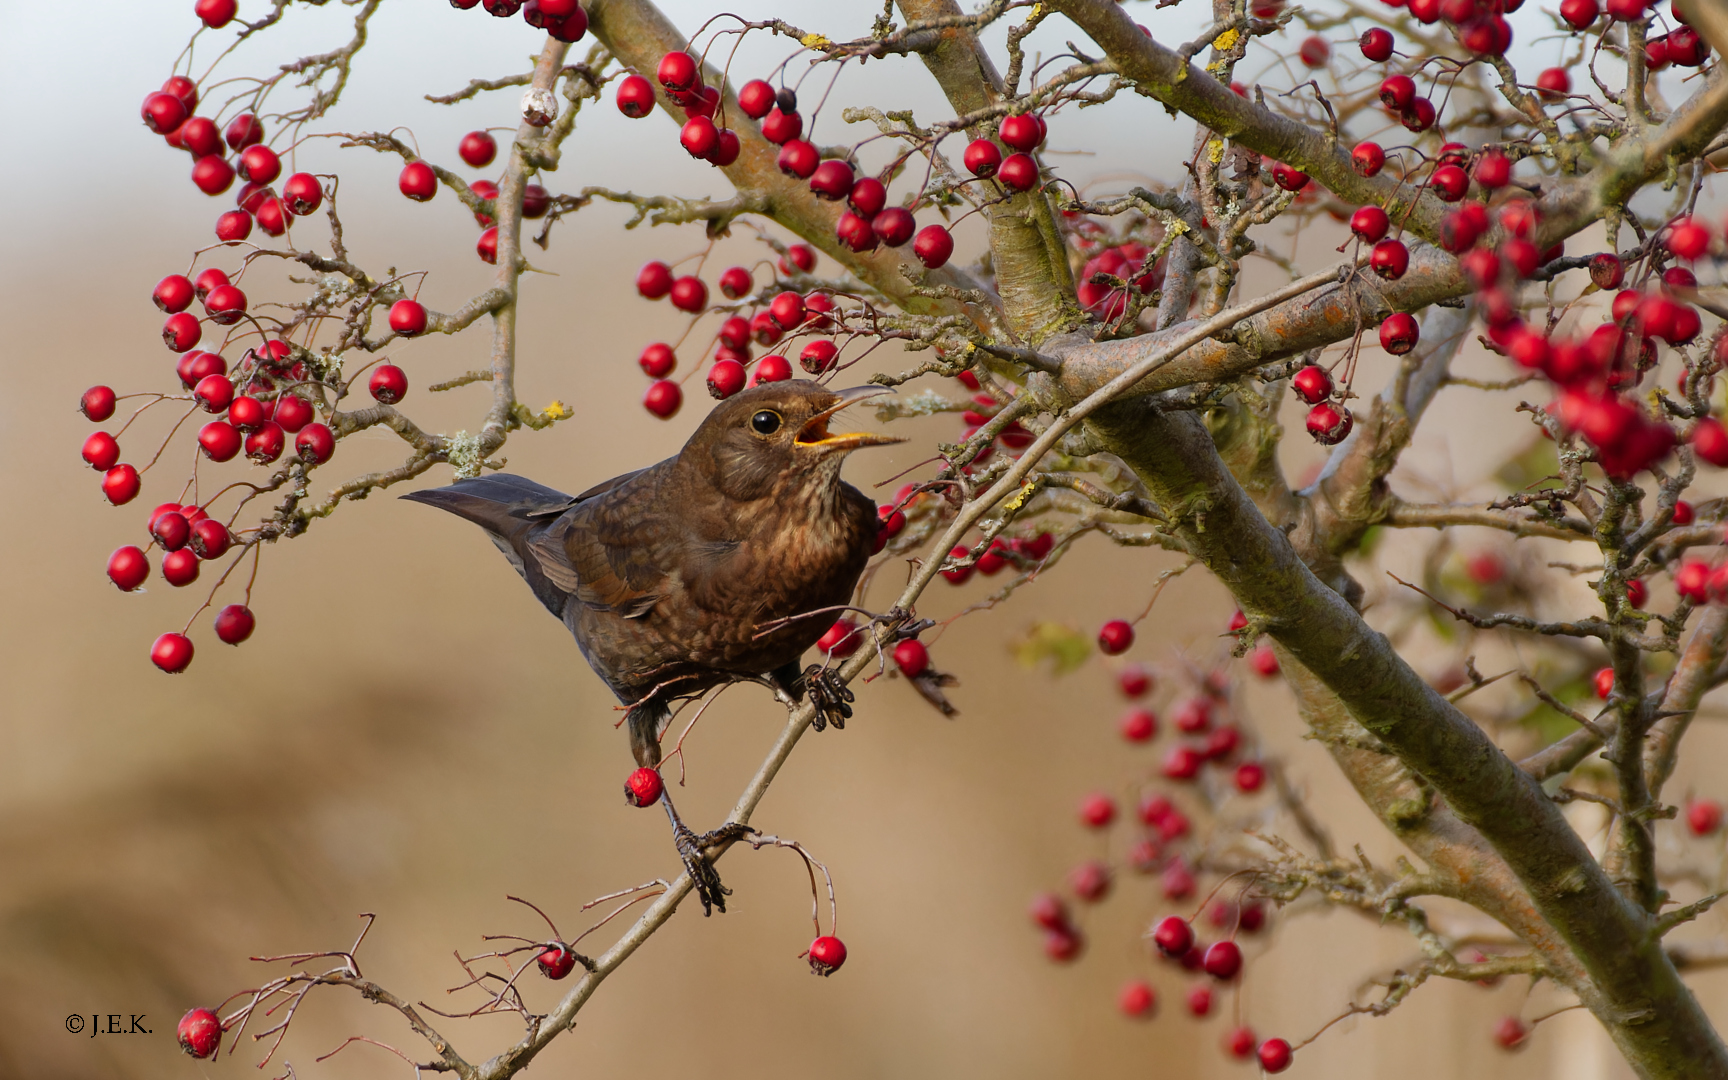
x=692 y=850
x=830 y=697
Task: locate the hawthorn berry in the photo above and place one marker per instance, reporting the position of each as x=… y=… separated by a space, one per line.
x=755 y=98
x=643 y=787
x=1367 y=159
x=1018 y=172
x=226 y=305
x=1703 y=816
x=212 y=174
x=234 y=624
x=787 y=310
x=314 y=444
x=1134 y=681
x=265 y=443
x=726 y=378
x=663 y=398
x=1399 y=333
x=1390 y=259
x=210 y=539
x=832 y=180
x=1137 y=999
x=1173 y=935
x=1687 y=238
x=1376 y=45
x=1289 y=177
x=856 y=233
x=982 y=158
x=128 y=567
x=818 y=356
x=782 y=126
x=1199 y=1000
x=1710 y=441
x=1315 y=51
x=1090 y=881
x=912 y=658
x=699 y=137
x=1275 y=1055
x=1313 y=384
x=841 y=640
x=97 y=404
x=1239 y=1043
x=173 y=294
x=302 y=194
x=1115 y=637
x=1510 y=1033
x=1097 y=810
x=894 y=226
x=200 y=1030
x=180 y=567
x=1579 y=14
x=233 y=226
x=798 y=159
x=1249 y=776
x=933 y=246
x=101 y=451
x=272 y=217
x=772 y=368
x=1369 y=223
x=1223 y=960
x=1193 y=715
x=826 y=955
x=678 y=71
x=1138 y=725
x=120 y=484
x=1398 y=92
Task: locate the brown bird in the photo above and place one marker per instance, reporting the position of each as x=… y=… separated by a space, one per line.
x=691 y=573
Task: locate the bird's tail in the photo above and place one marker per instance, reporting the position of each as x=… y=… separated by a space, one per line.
x=510 y=508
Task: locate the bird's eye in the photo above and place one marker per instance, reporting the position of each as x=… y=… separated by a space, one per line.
x=766 y=422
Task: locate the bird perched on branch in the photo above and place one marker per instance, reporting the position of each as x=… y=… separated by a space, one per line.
x=694 y=572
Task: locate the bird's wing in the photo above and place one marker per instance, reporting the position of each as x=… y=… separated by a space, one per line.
x=619 y=547
x=510 y=508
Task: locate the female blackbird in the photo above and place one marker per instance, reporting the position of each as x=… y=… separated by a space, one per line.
x=668 y=575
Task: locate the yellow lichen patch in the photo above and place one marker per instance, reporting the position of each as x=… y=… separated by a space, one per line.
x=1224 y=41
x=814 y=41
x=557 y=410
x=1215 y=150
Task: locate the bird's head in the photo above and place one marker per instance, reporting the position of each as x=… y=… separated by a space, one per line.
x=774 y=431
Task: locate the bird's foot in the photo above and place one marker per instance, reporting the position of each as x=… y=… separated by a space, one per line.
x=692 y=850
x=831 y=697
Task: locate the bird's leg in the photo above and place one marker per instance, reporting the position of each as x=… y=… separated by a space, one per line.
x=692 y=849
x=833 y=701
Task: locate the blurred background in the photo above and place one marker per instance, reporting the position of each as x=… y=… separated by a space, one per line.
x=407 y=732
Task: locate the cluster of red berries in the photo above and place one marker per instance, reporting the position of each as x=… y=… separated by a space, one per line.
x=1117 y=263
x=419 y=181
x=563 y=19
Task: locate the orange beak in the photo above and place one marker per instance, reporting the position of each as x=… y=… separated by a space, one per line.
x=815 y=431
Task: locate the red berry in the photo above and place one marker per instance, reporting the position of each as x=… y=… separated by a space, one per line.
x=314 y=444
x=1275 y=1055
x=233 y=226
x=408 y=317
x=699 y=137
x=1173 y=935
x=199 y=1031
x=803 y=256
x=1049 y=911
x=181 y=332
x=210 y=539
x=226 y=305
x=933 y=246
x=654 y=280
x=1579 y=14
x=1182 y=763
x=1398 y=92
x=755 y=98
x=1367 y=159
x=1239 y=1043
x=1289 y=177
x=663 y=398
x=477 y=148
x=643 y=787
x=1133 y=680
x=219 y=440
x=1250 y=775
x=894 y=226
x=1510 y=1032
x=1376 y=45
x=1223 y=960
x=200 y=138
x=1193 y=715
x=677 y=71
x=657 y=360
x=841 y=640
x=173 y=293
x=726 y=378
x=832 y=180
x=826 y=955
x=1139 y=725
x=818 y=356
x=266 y=442
x=1683 y=515
x=214 y=393
x=127 y=568
x=635 y=97
x=180 y=568
x=389 y=384
x=1097 y=810
x=1703 y=816
x=787 y=310
x=120 y=484
x=1390 y=259
x=1315 y=51
x=689 y=294
x=418 y=181
x=1018 y=173
x=101 y=451
x=1115 y=637
x=1313 y=384
x=1710 y=442
x=982 y=158
x=772 y=368
x=302 y=194
x=1329 y=424
x=736 y=282
x=556 y=961
x=163 y=113
x=487 y=246
x=1200 y=1000
x=1137 y=999
x=1688 y=239
x=259 y=164
x=912 y=658
x=1399 y=333
x=781 y=128
x=1090 y=881
x=234 y=624
x=97 y=404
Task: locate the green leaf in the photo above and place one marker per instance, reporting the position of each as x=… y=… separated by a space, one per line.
x=1065 y=647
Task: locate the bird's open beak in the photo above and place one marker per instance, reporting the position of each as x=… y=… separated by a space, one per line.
x=815 y=431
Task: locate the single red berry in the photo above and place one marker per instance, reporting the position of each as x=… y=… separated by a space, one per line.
x=1315 y=51
x=1399 y=333
x=654 y=280
x=1579 y=14
x=219 y=440
x=234 y=624
x=302 y=194
x=1090 y=881
x=933 y=246
x=1690 y=581
x=163 y=112
x=1367 y=159
x=643 y=787
x=233 y=226
x=259 y=164
x=832 y=180
x=755 y=98
x=1115 y=637
x=266 y=442
x=128 y=567
x=663 y=398
x=1049 y=911
x=226 y=305
x=1313 y=384
x=1139 y=725
x=1249 y=777
x=688 y=293
x=1683 y=515
x=1023 y=132
x=677 y=71
x=1687 y=238
x=1511 y=1033
x=97 y=404
x=1710 y=441
x=1137 y=999
x=200 y=137
x=1239 y=1043
x=1222 y=742
x=798 y=159
x=1173 y=935
x=210 y=539
x=894 y=226
x=912 y=658
x=772 y=368
x=389 y=384
x=487 y=246
x=182 y=332
x=826 y=955
x=478 y=149
x=1390 y=259
x=982 y=158
x=1097 y=810
x=1134 y=681
x=1376 y=45
x=120 y=484
x=1369 y=223
x=408 y=317
x=736 y=282
x=1182 y=763
x=1703 y=817
x=787 y=310
x=1398 y=92
x=1289 y=177
x=1329 y=424
x=699 y=137
x=1449 y=182
x=199 y=1031
x=1193 y=715
x=657 y=360
x=803 y=257
x=1223 y=960
x=726 y=378
x=214 y=393
x=173 y=293
x=782 y=127
x=635 y=97
x=101 y=451
x=314 y=444
x=418 y=181
x=818 y=356
x=1276 y=1055
x=1018 y=172
x=180 y=568
x=841 y=640
x=1199 y=1000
